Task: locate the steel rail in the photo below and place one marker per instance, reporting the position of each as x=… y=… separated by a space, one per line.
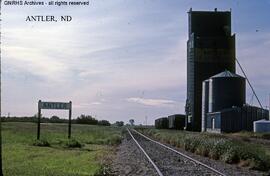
x=188 y=157
x=147 y=156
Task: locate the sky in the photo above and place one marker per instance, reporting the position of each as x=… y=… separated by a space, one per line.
x=119 y=59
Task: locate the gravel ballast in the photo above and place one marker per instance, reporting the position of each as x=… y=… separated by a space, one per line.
x=169 y=162
x=130 y=160
x=227 y=169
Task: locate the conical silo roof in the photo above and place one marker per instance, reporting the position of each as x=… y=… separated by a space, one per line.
x=226 y=73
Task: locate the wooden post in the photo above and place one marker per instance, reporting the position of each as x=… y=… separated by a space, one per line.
x=69 y=120
x=39 y=116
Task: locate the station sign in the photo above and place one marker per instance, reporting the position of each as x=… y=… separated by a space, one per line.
x=54 y=105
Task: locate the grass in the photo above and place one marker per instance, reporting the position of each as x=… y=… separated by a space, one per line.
x=246 y=135
x=215 y=146
x=54 y=154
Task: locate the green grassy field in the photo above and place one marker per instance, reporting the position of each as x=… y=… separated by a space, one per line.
x=21 y=157
x=216 y=146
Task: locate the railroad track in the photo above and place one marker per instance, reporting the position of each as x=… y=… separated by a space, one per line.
x=168 y=161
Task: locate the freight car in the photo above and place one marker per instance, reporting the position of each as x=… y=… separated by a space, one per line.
x=162 y=123
x=177 y=121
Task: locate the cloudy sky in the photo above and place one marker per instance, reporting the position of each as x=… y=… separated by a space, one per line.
x=119 y=59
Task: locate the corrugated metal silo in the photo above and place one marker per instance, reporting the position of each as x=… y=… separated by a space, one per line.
x=226 y=90
x=205 y=95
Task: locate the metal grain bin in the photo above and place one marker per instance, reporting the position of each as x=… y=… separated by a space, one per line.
x=261 y=126
x=226 y=90
x=205 y=97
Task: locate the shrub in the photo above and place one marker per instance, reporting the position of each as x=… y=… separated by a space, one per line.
x=191 y=143
x=102 y=141
x=173 y=142
x=115 y=140
x=41 y=143
x=72 y=143
x=180 y=142
x=86 y=119
x=255 y=158
x=259 y=164
x=104 y=123
x=219 y=147
x=266 y=135
x=112 y=140
x=231 y=156
x=204 y=148
x=119 y=123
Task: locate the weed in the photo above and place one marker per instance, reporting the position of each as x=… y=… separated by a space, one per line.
x=231 y=155
x=72 y=143
x=41 y=143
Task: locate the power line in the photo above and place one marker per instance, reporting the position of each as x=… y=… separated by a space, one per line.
x=249 y=83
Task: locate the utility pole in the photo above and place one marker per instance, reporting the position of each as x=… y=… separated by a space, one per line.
x=1 y=153
x=146 y=120
x=69 y=120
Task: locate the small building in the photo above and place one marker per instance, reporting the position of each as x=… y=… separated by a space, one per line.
x=261 y=126
x=177 y=121
x=162 y=123
x=235 y=119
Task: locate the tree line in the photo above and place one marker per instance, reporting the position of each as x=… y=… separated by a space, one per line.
x=82 y=119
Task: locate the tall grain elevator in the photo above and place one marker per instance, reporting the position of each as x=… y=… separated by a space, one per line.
x=210 y=50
